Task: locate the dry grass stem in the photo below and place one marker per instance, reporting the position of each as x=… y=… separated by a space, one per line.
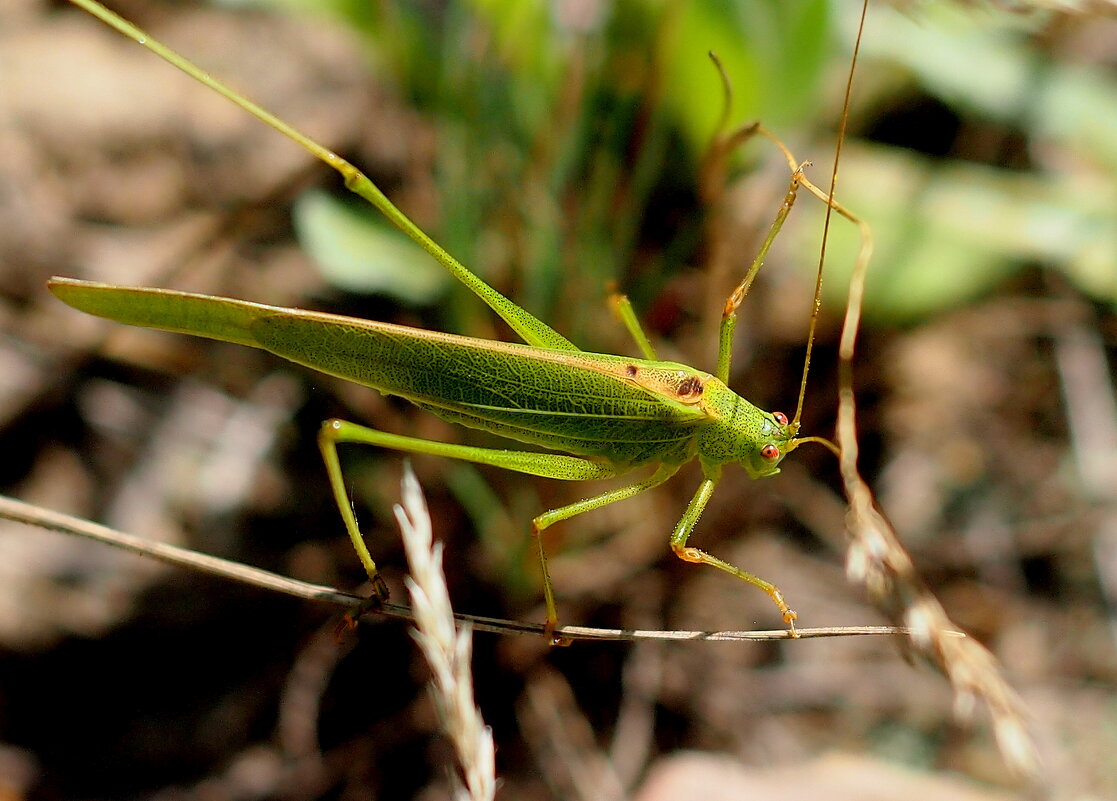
x=447 y=649
x=877 y=560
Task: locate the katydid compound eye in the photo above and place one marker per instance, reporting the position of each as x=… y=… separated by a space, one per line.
x=781 y=418
x=770 y=451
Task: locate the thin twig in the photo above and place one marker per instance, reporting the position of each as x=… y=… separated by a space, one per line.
x=22 y=512
x=877 y=560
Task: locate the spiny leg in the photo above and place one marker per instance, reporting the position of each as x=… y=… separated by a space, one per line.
x=327 y=445
x=690 y=554
x=547 y=465
x=553 y=516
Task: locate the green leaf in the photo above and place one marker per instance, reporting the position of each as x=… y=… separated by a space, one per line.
x=949 y=231
x=357 y=252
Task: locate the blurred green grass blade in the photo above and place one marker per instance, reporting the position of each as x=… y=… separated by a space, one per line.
x=355 y=252
x=773 y=53
x=950 y=231
x=984 y=64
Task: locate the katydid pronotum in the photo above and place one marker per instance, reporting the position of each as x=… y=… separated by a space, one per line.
x=607 y=414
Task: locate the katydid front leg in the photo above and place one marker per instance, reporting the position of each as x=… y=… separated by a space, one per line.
x=737 y=297
x=713 y=472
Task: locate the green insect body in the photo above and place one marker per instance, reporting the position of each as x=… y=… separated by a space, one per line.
x=620 y=411
x=607 y=414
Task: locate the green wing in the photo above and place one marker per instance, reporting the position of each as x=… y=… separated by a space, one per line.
x=565 y=400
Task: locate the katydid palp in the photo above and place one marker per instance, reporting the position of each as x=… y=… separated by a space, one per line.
x=606 y=414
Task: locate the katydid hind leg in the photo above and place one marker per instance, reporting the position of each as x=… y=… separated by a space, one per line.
x=688 y=553
x=546 y=465
x=328 y=449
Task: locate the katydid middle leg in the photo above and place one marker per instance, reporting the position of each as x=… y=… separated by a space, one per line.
x=553 y=516
x=622 y=308
x=689 y=553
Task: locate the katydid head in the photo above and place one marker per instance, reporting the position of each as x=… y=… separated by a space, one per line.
x=739 y=432
x=776 y=440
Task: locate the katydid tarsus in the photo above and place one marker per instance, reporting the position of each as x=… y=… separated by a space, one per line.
x=606 y=414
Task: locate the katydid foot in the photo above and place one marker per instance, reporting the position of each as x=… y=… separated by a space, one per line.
x=697 y=556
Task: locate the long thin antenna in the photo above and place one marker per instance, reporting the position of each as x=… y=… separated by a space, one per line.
x=817 y=309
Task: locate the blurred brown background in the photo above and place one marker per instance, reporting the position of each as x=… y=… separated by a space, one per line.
x=555 y=146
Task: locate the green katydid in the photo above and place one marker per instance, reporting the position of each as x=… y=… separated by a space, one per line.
x=607 y=414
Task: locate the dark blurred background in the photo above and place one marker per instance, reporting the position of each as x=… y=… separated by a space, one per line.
x=556 y=146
